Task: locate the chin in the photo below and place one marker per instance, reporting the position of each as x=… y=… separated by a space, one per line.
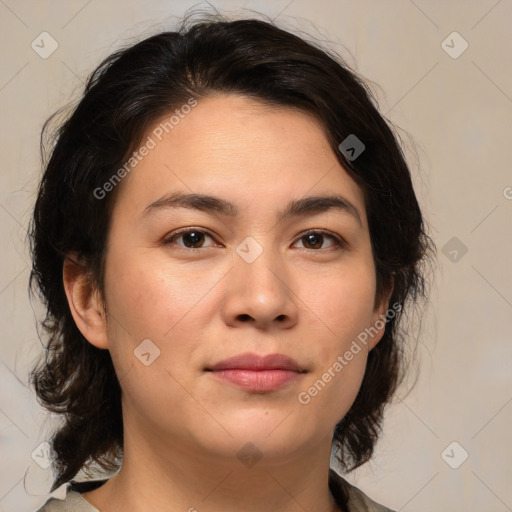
x=276 y=433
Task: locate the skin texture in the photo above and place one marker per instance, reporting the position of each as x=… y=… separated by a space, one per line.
x=309 y=301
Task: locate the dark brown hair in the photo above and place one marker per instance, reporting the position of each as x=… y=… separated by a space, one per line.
x=128 y=92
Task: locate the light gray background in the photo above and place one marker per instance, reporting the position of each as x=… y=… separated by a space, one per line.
x=459 y=113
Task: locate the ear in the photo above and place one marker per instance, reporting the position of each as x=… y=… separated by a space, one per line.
x=84 y=301
x=379 y=318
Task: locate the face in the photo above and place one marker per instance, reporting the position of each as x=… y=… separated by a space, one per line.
x=270 y=266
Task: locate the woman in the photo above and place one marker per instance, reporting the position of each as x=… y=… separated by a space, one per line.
x=225 y=238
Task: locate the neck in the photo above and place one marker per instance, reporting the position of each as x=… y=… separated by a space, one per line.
x=158 y=476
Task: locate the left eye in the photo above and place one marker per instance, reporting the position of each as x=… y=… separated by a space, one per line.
x=316 y=239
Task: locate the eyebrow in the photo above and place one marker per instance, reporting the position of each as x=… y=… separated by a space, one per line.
x=310 y=205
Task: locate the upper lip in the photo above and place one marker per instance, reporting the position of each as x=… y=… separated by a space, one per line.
x=251 y=361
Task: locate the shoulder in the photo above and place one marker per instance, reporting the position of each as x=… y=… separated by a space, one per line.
x=358 y=501
x=73 y=502
x=355 y=500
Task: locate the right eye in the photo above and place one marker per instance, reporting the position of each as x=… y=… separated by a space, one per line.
x=193 y=238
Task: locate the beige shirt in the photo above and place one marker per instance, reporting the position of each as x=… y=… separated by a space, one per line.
x=340 y=488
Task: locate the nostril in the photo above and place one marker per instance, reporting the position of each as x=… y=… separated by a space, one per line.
x=244 y=317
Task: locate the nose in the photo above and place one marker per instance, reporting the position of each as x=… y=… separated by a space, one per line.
x=260 y=293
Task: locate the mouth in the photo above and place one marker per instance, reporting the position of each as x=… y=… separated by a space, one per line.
x=256 y=373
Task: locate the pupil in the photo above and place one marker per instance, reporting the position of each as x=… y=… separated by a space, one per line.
x=311 y=240
x=193 y=238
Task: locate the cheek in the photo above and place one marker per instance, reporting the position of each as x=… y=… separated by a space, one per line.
x=151 y=337
x=150 y=300
x=342 y=302
x=341 y=309
x=150 y=297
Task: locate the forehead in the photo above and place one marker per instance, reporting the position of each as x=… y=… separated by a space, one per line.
x=241 y=149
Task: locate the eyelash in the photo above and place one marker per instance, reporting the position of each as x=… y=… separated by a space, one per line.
x=338 y=241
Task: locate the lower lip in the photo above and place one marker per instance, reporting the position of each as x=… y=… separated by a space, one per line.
x=258 y=380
